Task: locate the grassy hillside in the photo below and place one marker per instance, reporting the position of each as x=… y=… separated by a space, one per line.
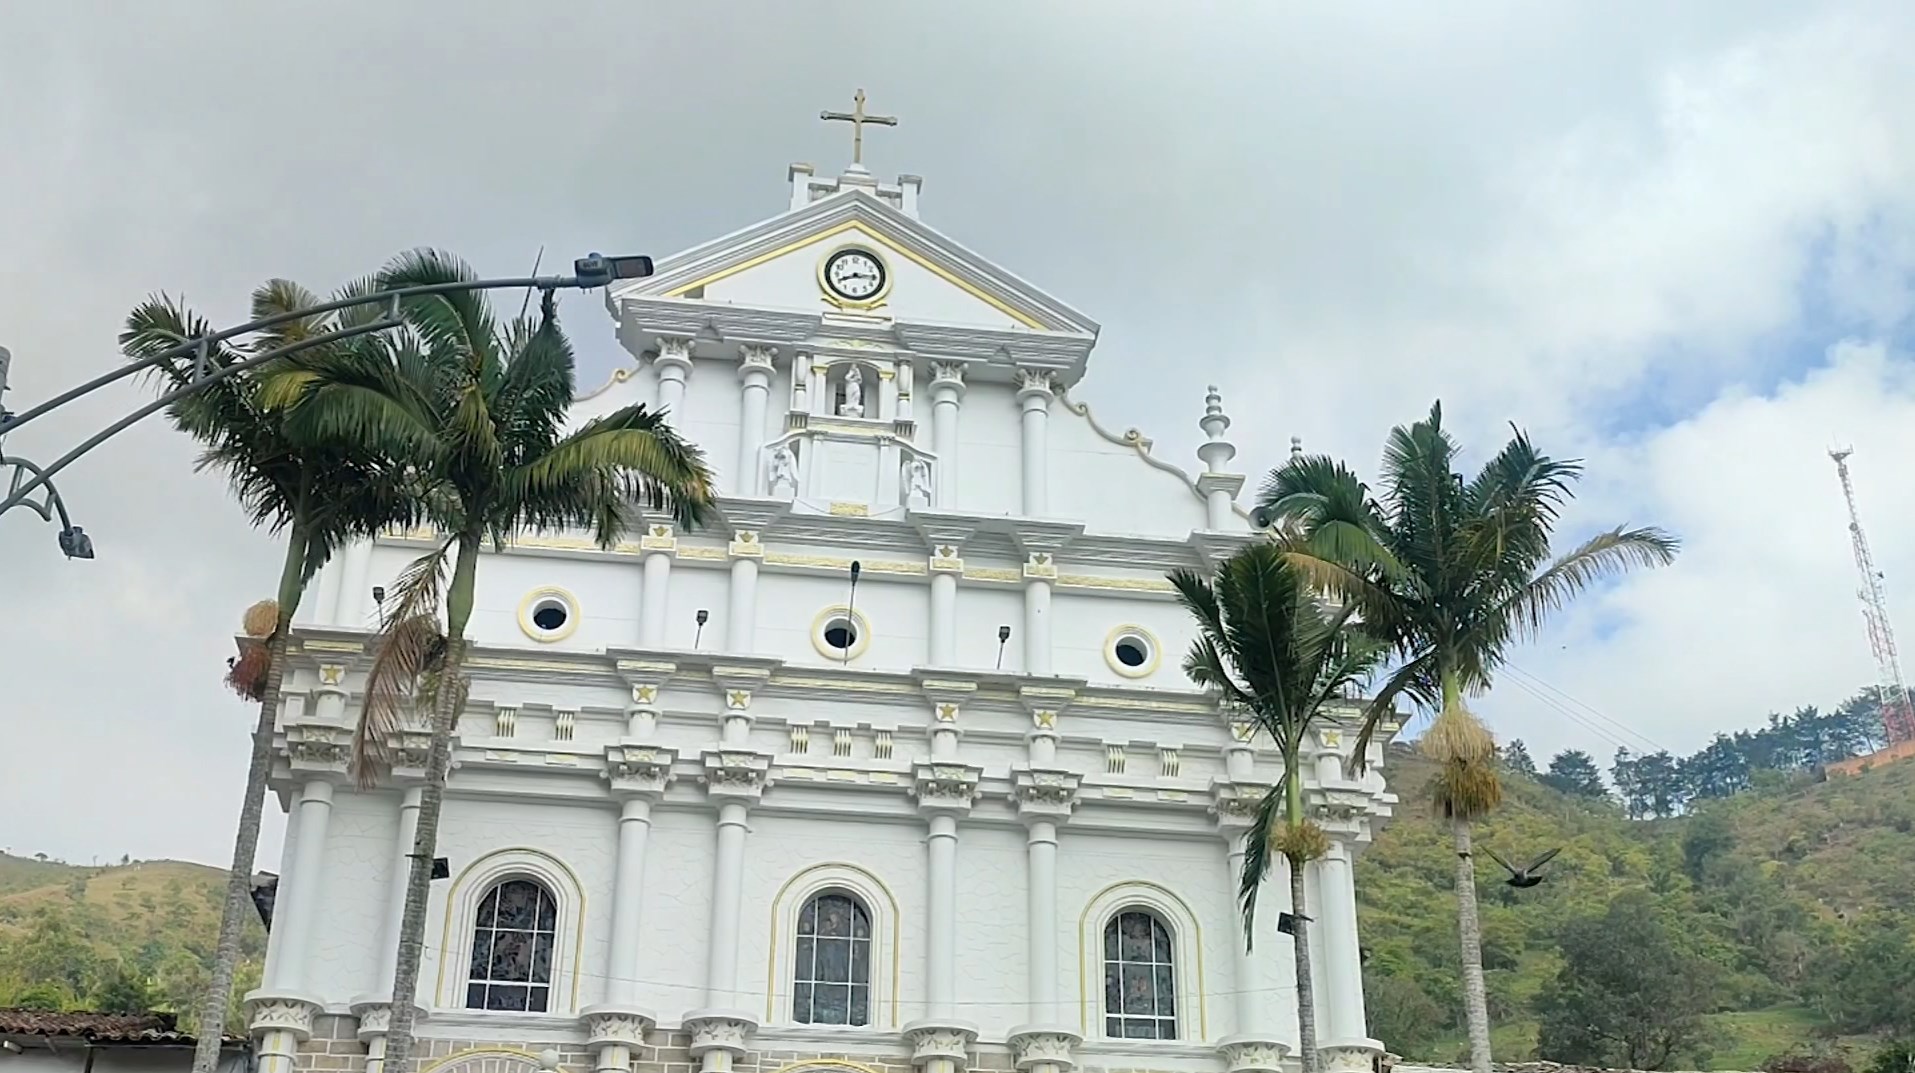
x=134 y=935
x=1767 y=883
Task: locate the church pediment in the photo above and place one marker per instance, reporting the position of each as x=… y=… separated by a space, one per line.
x=852 y=254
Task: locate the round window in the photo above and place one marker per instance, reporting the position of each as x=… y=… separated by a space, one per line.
x=840 y=634
x=1131 y=651
x=548 y=614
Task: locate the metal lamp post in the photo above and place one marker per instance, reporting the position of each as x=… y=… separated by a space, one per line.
x=588 y=272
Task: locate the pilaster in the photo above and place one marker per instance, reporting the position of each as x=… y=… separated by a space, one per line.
x=947 y=395
x=1034 y=394
x=674 y=363
x=646 y=678
x=657 y=548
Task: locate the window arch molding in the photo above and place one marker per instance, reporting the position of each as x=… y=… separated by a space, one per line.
x=470 y=886
x=877 y=900
x=1187 y=956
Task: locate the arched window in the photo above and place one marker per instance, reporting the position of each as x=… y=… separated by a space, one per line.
x=831 y=981
x=1140 y=986
x=512 y=942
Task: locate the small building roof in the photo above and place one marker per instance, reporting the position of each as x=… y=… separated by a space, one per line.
x=129 y=1028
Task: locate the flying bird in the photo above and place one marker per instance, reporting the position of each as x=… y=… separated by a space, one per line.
x=1524 y=878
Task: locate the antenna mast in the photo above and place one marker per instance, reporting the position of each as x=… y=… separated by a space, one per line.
x=1898 y=717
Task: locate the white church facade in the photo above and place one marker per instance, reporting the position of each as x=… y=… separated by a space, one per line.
x=890 y=766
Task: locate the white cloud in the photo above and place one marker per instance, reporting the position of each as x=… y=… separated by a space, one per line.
x=1339 y=213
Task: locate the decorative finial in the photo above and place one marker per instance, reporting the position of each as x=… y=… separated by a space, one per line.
x=1296 y=446
x=1216 y=450
x=857 y=117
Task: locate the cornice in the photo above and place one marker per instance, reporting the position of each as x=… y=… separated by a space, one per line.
x=774 y=233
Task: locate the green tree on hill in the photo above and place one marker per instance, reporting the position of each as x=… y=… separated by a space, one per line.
x=1516 y=759
x=1631 y=993
x=1574 y=772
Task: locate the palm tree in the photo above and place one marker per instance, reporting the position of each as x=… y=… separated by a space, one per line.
x=1449 y=574
x=1274 y=652
x=478 y=409
x=318 y=498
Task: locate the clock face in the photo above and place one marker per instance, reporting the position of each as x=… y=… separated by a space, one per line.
x=854 y=274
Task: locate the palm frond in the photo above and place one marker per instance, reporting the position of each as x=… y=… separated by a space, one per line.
x=628 y=456
x=1256 y=859
x=458 y=324
x=1601 y=556
x=410 y=635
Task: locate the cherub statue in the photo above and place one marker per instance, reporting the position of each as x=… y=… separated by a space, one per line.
x=784 y=471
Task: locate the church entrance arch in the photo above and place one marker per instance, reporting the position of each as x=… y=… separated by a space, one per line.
x=825 y=1065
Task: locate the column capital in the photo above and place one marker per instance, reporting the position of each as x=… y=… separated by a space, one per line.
x=1255 y=1053
x=1033 y=535
x=937 y=1037
x=635 y=770
x=1046 y=704
x=375 y=1016
x=756 y=359
x=647 y=678
x=735 y=774
x=1034 y=1045
x=319 y=750
x=946 y=688
x=278 y=1011
x=947 y=376
x=947 y=788
x=1035 y=383
x=613 y=1022
x=1235 y=805
x=658 y=537
x=1348 y=1055
x=720 y=1030
x=1044 y=793
x=674 y=350
x=745 y=544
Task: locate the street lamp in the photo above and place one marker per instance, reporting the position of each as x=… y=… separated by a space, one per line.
x=74 y=543
x=589 y=272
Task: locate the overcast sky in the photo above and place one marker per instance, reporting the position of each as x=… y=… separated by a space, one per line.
x=1675 y=239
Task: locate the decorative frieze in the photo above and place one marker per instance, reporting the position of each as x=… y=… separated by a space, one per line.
x=800 y=736
x=881 y=745
x=841 y=742
x=505 y=722
x=564 y=723
x=318 y=748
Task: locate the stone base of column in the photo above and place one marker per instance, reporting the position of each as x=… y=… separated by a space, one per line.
x=935 y=1038
x=726 y=1031
x=1253 y=1053
x=1349 y=1055
x=1044 y=1048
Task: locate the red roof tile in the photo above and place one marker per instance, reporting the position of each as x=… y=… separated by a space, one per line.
x=97 y=1027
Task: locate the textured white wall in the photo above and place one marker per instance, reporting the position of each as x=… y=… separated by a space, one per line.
x=360 y=850
x=1111 y=490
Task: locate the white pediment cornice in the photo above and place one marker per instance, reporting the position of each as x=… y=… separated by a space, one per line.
x=763 y=240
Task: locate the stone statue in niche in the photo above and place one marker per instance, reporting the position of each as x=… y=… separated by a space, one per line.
x=853 y=404
x=917 y=483
x=783 y=480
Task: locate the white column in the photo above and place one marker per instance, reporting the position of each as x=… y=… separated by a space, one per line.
x=321 y=607
x=1037 y=624
x=1250 y=1000
x=941 y=962
x=1034 y=396
x=944 y=586
x=396 y=888
x=674 y=364
x=1040 y=847
x=742 y=618
x=354 y=607
x=288 y=858
x=657 y=546
x=295 y=911
x=755 y=373
x=947 y=390
x=721 y=964
x=1342 y=955
x=628 y=894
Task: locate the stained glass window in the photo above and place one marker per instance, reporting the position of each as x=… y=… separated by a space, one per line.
x=832 y=981
x=1140 y=986
x=512 y=949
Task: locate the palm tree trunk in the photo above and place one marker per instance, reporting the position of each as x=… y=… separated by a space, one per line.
x=1300 y=941
x=1306 y=986
x=239 y=879
x=1469 y=928
x=445 y=720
